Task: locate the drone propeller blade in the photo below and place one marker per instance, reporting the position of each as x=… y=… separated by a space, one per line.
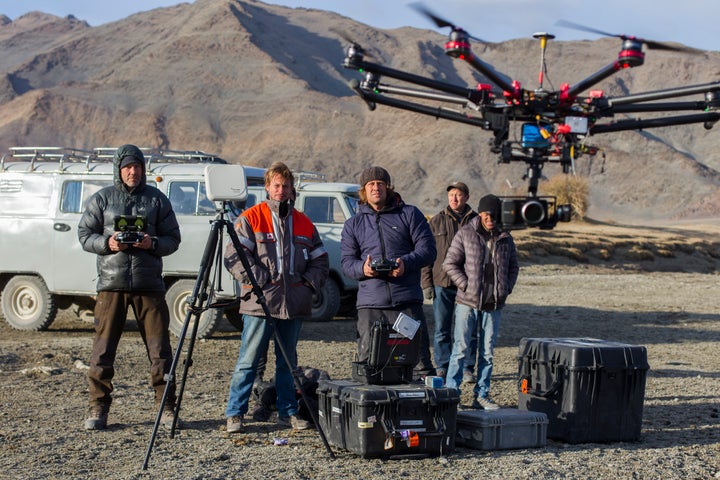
x=664 y=46
x=577 y=26
x=648 y=43
x=345 y=36
x=438 y=21
x=423 y=10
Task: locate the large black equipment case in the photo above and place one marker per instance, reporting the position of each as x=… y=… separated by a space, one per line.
x=591 y=390
x=392 y=357
x=398 y=421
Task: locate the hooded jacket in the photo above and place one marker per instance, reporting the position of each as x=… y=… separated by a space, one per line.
x=444 y=226
x=133 y=269
x=405 y=235
x=286 y=257
x=465 y=266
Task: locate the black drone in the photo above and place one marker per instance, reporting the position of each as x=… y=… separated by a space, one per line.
x=554 y=124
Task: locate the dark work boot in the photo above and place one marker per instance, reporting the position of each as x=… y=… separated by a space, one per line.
x=97 y=418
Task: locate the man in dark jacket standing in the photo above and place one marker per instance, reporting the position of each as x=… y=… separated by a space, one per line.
x=482 y=262
x=129 y=275
x=385 y=228
x=437 y=285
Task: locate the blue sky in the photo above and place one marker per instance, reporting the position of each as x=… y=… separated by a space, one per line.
x=691 y=22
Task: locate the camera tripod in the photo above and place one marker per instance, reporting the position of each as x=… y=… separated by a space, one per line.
x=198 y=303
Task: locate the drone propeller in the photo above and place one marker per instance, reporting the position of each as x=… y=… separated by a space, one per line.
x=438 y=21
x=649 y=43
x=345 y=36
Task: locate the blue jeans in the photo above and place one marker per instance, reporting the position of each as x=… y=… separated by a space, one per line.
x=443 y=307
x=255 y=337
x=467 y=327
x=487 y=335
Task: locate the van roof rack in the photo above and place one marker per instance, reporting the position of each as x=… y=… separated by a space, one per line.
x=304 y=176
x=64 y=155
x=48 y=154
x=165 y=156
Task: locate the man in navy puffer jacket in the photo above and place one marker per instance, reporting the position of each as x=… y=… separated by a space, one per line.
x=385 y=228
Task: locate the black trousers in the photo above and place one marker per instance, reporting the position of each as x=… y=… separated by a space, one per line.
x=367 y=318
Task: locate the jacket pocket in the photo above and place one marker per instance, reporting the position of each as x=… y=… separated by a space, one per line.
x=299 y=300
x=302 y=255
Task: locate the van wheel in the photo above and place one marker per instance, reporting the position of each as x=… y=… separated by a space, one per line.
x=176 y=297
x=27 y=304
x=326 y=303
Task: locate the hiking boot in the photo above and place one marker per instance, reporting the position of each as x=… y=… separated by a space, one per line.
x=485 y=403
x=97 y=418
x=468 y=377
x=293 y=421
x=168 y=417
x=261 y=414
x=234 y=424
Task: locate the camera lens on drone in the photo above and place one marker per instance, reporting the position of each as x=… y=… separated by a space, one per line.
x=564 y=213
x=533 y=212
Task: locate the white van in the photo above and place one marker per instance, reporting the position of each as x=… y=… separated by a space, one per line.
x=43 y=192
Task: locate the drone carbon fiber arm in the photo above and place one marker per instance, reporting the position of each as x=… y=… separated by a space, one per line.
x=354 y=62
x=610 y=106
x=708 y=119
x=371 y=97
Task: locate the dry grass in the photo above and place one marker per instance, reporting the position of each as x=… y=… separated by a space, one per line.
x=570 y=190
x=693 y=248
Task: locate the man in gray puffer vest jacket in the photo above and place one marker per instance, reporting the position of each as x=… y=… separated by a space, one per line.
x=482 y=262
x=129 y=275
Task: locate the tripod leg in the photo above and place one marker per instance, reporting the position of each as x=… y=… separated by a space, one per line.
x=257 y=290
x=196 y=300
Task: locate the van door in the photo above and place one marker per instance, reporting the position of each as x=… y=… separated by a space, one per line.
x=75 y=270
x=26 y=201
x=194 y=213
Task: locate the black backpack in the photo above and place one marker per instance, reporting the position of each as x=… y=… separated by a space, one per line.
x=265 y=394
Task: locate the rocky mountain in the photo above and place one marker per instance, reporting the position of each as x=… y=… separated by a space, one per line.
x=254 y=83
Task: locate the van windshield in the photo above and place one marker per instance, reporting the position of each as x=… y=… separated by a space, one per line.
x=352 y=200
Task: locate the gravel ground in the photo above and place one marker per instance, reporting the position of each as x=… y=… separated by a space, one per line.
x=43 y=394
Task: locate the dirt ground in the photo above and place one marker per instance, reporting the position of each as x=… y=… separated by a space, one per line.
x=655 y=287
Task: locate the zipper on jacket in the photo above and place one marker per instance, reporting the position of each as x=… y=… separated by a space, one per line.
x=380 y=234
x=384 y=256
